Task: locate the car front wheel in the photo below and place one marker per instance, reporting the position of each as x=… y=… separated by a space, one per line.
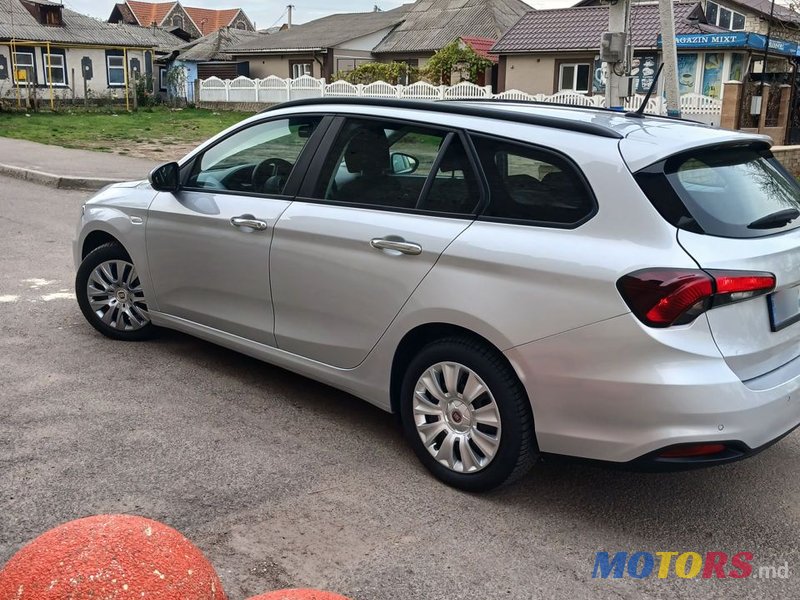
x=467 y=416
x=110 y=294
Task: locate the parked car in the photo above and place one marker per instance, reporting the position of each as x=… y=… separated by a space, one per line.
x=514 y=280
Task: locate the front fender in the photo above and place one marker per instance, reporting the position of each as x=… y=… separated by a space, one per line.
x=120 y=212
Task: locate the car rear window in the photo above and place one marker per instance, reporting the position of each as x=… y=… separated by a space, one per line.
x=735 y=192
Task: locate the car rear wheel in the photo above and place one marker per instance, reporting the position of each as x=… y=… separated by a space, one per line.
x=110 y=294
x=467 y=416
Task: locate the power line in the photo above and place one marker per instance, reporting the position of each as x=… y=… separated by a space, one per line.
x=278 y=20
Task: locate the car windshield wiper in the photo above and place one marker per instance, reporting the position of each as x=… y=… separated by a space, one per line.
x=777 y=219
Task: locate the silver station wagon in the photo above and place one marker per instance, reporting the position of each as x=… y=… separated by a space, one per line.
x=514 y=280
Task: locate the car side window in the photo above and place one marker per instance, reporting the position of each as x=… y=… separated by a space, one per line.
x=387 y=164
x=455 y=189
x=531 y=184
x=258 y=159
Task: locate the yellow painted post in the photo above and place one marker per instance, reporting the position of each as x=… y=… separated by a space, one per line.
x=14 y=72
x=127 y=86
x=50 y=76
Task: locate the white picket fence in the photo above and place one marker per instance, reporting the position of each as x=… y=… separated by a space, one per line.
x=274 y=90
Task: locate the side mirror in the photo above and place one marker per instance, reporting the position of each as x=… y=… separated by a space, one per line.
x=404 y=164
x=166 y=178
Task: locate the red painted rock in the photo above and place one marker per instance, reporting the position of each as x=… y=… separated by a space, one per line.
x=299 y=595
x=110 y=556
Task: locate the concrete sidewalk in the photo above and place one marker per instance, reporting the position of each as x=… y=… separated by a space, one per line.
x=66 y=168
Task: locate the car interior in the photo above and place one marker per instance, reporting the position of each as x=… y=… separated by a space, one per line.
x=541 y=188
x=366 y=171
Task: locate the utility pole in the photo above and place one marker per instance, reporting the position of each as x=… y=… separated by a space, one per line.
x=290 y=9
x=669 y=53
x=615 y=52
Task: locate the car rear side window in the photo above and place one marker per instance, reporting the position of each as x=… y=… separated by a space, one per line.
x=532 y=185
x=736 y=192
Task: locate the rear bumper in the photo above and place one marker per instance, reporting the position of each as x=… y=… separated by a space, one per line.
x=620 y=392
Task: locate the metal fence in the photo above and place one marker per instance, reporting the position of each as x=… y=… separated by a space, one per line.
x=274 y=90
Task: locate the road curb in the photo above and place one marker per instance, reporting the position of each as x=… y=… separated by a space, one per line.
x=60 y=182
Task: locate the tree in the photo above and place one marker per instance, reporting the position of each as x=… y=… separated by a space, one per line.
x=457 y=57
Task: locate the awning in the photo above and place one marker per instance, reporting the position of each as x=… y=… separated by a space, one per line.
x=734 y=40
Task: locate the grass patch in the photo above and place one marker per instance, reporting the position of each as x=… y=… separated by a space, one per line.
x=101 y=131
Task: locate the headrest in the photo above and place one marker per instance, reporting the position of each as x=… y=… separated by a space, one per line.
x=454 y=159
x=368 y=152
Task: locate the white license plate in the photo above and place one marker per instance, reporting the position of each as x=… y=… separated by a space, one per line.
x=784 y=308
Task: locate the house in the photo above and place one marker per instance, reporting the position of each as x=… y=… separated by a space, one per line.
x=185 y=21
x=48 y=50
x=411 y=33
x=744 y=15
x=208 y=57
x=430 y=25
x=319 y=48
x=546 y=53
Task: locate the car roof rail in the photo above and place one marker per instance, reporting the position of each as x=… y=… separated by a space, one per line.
x=455 y=108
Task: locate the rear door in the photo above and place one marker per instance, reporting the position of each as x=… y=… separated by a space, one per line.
x=381 y=203
x=742 y=212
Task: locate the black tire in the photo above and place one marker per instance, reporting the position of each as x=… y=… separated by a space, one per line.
x=517 y=451
x=101 y=254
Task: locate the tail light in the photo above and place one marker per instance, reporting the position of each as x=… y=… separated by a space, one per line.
x=667 y=297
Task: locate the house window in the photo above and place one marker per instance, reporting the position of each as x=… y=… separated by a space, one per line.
x=574 y=77
x=24 y=68
x=724 y=17
x=116 y=71
x=241 y=25
x=345 y=65
x=162 y=79
x=55 y=71
x=300 y=68
x=177 y=21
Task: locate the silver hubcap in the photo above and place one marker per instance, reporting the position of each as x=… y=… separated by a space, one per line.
x=457 y=417
x=116 y=296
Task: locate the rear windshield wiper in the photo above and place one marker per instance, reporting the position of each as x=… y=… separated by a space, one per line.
x=776 y=219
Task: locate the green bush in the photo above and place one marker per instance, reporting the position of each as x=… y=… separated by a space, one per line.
x=144 y=92
x=393 y=73
x=458 y=58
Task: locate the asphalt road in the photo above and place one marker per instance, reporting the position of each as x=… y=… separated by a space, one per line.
x=284 y=482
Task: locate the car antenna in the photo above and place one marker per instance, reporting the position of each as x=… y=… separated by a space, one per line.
x=639 y=113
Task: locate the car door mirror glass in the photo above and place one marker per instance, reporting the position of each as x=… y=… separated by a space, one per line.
x=166 y=178
x=404 y=164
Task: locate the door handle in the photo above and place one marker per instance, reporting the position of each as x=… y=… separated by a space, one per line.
x=250 y=222
x=397 y=245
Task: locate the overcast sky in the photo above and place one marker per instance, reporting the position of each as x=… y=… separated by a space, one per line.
x=267 y=13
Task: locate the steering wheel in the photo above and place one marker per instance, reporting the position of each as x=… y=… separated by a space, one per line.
x=270 y=175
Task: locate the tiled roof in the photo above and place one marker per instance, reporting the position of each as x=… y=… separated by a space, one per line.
x=580 y=28
x=209 y=20
x=481 y=46
x=17 y=23
x=148 y=13
x=326 y=32
x=215 y=46
x=432 y=24
x=781 y=13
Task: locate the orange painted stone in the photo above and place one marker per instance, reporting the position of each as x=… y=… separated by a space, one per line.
x=299 y=595
x=110 y=556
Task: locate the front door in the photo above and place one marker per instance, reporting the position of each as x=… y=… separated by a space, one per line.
x=208 y=245
x=347 y=255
